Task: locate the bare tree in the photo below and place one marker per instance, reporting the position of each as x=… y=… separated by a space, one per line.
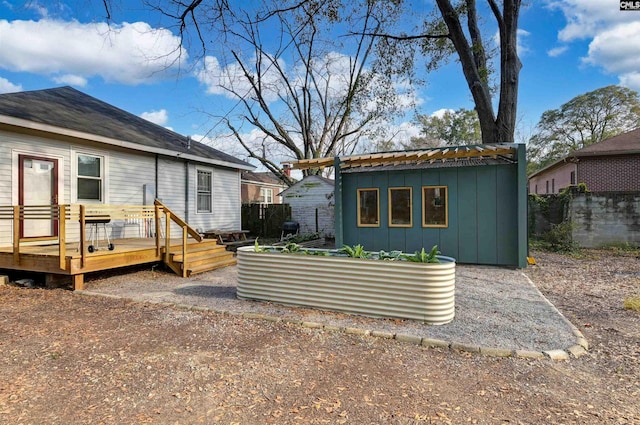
x=299 y=73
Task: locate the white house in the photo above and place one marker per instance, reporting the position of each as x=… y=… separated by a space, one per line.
x=61 y=146
x=312 y=205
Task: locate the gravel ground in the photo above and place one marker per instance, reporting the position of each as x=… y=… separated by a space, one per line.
x=495 y=307
x=77 y=359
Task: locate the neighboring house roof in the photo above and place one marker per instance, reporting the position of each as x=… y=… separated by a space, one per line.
x=622 y=144
x=64 y=108
x=626 y=143
x=266 y=178
x=305 y=180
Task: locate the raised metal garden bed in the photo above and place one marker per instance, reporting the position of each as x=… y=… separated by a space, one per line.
x=377 y=288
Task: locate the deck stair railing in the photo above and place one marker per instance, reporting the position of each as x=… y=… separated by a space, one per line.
x=187 y=230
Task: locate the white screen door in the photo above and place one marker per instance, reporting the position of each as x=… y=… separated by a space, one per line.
x=38 y=186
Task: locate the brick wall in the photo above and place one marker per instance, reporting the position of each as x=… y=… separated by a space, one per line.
x=610 y=173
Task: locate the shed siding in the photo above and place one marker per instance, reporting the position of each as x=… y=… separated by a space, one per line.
x=305 y=198
x=482 y=213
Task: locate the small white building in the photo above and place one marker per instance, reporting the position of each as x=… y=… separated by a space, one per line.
x=61 y=146
x=312 y=205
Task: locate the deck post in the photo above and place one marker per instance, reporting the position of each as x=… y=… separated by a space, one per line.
x=184 y=251
x=157 y=218
x=83 y=234
x=16 y=234
x=62 y=235
x=167 y=236
x=78 y=282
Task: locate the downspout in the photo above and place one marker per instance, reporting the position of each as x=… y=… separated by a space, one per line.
x=186 y=190
x=156 y=179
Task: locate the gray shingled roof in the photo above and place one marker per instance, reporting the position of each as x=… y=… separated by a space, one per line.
x=621 y=144
x=71 y=109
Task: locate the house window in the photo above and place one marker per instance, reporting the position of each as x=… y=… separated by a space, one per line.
x=368 y=208
x=400 y=207
x=204 y=192
x=536 y=189
x=553 y=185
x=435 y=206
x=90 y=175
x=547 y=191
x=266 y=196
x=573 y=177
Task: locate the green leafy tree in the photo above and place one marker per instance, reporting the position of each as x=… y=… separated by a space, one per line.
x=452 y=128
x=584 y=120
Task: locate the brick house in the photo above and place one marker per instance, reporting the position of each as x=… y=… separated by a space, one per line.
x=612 y=165
x=261 y=188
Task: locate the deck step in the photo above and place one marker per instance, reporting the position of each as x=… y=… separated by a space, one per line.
x=211 y=266
x=203 y=253
x=218 y=258
x=195 y=247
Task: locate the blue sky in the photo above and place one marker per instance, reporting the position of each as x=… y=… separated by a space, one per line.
x=567 y=48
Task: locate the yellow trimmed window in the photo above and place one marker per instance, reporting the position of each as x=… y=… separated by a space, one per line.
x=400 y=207
x=435 y=206
x=368 y=208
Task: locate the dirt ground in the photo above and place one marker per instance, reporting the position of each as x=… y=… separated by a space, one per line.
x=73 y=359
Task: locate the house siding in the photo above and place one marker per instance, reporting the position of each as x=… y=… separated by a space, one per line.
x=556 y=179
x=305 y=198
x=12 y=145
x=610 y=173
x=226 y=199
x=126 y=174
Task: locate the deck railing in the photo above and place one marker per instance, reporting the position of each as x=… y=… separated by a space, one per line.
x=148 y=216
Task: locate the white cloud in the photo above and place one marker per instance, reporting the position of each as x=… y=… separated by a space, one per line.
x=614 y=36
x=72 y=80
x=37 y=7
x=557 y=51
x=129 y=53
x=440 y=112
x=157 y=117
x=587 y=18
x=7 y=86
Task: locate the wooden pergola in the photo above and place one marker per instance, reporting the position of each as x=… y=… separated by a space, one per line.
x=458 y=153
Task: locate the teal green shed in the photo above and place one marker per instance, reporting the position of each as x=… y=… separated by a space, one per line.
x=470 y=201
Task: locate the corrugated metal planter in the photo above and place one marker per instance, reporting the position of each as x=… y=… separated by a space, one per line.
x=400 y=289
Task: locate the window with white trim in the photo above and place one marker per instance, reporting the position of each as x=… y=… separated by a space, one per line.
x=204 y=191
x=266 y=195
x=90 y=178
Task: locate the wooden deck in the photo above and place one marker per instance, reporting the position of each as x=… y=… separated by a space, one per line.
x=188 y=254
x=127 y=252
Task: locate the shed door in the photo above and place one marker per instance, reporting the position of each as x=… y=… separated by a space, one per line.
x=38 y=180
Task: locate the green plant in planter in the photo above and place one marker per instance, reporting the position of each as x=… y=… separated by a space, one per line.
x=293 y=248
x=356 y=251
x=258 y=248
x=389 y=256
x=423 y=256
